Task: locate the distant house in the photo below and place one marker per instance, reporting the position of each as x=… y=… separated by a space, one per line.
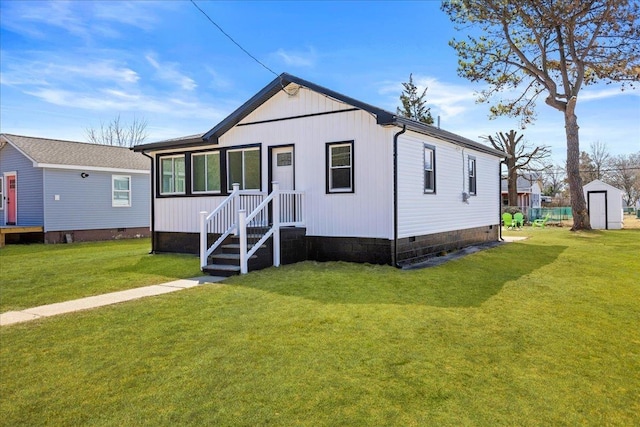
x=355 y=183
x=529 y=193
x=71 y=190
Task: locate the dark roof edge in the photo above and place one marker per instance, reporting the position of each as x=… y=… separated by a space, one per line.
x=187 y=141
x=447 y=136
x=383 y=117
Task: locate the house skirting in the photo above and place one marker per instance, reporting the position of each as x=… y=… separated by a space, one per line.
x=68 y=236
x=415 y=249
x=296 y=246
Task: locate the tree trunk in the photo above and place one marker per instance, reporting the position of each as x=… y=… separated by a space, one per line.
x=512 y=182
x=578 y=203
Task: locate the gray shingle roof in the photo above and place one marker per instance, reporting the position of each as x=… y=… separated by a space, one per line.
x=70 y=153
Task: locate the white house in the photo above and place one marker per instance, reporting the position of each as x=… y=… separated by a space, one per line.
x=356 y=183
x=66 y=190
x=604 y=203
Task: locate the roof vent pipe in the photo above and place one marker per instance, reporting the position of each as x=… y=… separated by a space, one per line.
x=438 y=122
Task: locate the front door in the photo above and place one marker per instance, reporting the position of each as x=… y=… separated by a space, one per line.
x=12 y=201
x=282 y=168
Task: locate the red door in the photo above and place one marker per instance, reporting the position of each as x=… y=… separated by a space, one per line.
x=12 y=203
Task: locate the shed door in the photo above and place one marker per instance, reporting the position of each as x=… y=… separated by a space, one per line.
x=598 y=209
x=12 y=201
x=282 y=167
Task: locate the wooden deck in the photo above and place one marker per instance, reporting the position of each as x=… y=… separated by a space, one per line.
x=17 y=229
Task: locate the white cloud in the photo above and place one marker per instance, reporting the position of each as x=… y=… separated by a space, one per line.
x=446 y=100
x=594 y=95
x=168 y=72
x=82 y=19
x=306 y=58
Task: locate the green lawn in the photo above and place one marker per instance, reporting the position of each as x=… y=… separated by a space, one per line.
x=32 y=275
x=540 y=332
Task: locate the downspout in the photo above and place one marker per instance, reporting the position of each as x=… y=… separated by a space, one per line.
x=153 y=206
x=502 y=162
x=395 y=195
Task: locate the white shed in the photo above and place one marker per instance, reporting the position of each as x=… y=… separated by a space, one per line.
x=604 y=203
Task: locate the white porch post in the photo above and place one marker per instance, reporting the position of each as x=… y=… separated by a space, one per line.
x=203 y=239
x=236 y=205
x=242 y=233
x=276 y=223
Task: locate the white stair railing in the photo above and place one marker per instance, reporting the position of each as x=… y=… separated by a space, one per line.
x=287 y=210
x=223 y=221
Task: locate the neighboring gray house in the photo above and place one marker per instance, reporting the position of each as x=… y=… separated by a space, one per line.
x=71 y=190
x=355 y=183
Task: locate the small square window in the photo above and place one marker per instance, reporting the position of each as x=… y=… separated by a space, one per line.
x=283 y=159
x=340 y=167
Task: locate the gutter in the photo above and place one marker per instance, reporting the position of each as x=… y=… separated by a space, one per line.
x=395 y=195
x=502 y=162
x=153 y=205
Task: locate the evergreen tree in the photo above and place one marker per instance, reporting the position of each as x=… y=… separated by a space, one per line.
x=414 y=106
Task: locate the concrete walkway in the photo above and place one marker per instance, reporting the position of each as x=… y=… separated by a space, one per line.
x=28 y=314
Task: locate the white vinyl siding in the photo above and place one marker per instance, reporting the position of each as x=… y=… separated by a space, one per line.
x=243 y=167
x=172 y=172
x=368 y=212
x=420 y=214
x=205 y=170
x=121 y=191
x=340 y=167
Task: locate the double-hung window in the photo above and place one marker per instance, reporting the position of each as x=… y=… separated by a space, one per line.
x=429 y=169
x=120 y=191
x=472 y=175
x=340 y=167
x=172 y=171
x=205 y=170
x=243 y=167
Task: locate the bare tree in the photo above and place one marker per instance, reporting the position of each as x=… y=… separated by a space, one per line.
x=115 y=133
x=625 y=175
x=553 y=180
x=524 y=158
x=600 y=158
x=549 y=48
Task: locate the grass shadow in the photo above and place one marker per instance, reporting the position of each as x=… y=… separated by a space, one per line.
x=465 y=282
x=167 y=265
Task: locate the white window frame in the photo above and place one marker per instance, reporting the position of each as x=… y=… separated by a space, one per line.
x=206 y=174
x=330 y=167
x=431 y=151
x=243 y=183
x=173 y=174
x=1 y=193
x=472 y=167
x=114 y=190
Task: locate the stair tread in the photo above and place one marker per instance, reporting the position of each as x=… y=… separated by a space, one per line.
x=224 y=267
x=236 y=246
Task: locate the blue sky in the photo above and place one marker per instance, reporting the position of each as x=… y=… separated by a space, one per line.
x=67 y=66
